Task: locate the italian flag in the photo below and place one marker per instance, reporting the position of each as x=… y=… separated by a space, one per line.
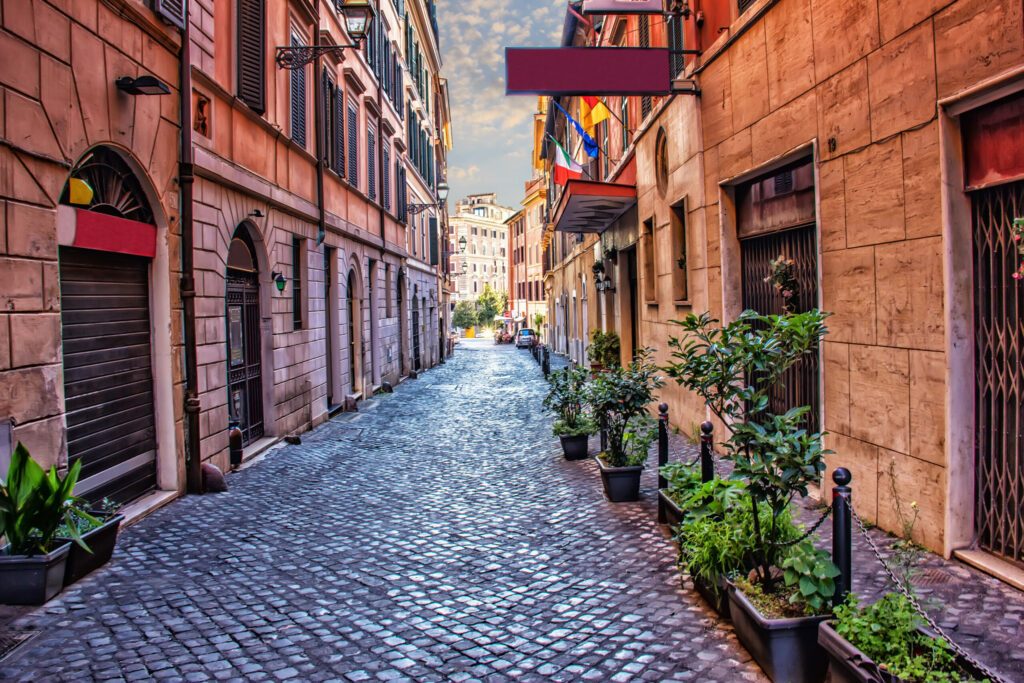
x=566 y=168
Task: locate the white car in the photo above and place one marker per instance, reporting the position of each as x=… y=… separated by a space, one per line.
x=525 y=338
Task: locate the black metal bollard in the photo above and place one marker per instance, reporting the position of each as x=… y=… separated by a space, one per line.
x=842 y=533
x=546 y=364
x=707 y=458
x=662 y=456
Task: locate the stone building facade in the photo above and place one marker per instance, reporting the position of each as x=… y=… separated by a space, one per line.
x=312 y=284
x=481 y=221
x=877 y=144
x=90 y=327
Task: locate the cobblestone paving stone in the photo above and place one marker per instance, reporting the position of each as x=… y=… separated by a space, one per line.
x=436 y=535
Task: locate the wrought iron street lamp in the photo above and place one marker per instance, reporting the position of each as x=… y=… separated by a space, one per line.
x=358 y=16
x=442 y=197
x=462 y=244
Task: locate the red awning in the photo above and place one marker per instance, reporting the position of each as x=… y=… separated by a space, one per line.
x=591 y=206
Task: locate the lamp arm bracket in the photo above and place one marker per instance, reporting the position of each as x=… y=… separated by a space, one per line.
x=298 y=56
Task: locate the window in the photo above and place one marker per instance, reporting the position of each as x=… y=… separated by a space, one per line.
x=661 y=162
x=387 y=290
x=298 y=99
x=298 y=252
x=646 y=103
x=251 y=55
x=333 y=125
x=680 y=274
x=353 y=143
x=474 y=231
x=744 y=5
x=650 y=288
x=371 y=162
x=624 y=115
x=675 y=43
x=385 y=181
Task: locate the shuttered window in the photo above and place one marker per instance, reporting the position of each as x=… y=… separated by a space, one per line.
x=646 y=103
x=172 y=11
x=298 y=99
x=675 y=43
x=338 y=163
x=371 y=162
x=327 y=118
x=353 y=144
x=385 y=190
x=251 y=54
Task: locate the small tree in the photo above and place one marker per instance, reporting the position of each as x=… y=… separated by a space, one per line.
x=490 y=304
x=566 y=397
x=465 y=314
x=605 y=349
x=734 y=368
x=538 y=322
x=620 y=398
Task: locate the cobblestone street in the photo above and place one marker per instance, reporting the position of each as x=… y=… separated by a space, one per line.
x=436 y=535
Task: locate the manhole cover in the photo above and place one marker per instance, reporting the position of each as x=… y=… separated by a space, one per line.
x=10 y=641
x=934 y=577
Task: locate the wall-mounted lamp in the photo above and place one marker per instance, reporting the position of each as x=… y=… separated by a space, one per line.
x=255 y=213
x=358 y=16
x=143 y=85
x=279 y=281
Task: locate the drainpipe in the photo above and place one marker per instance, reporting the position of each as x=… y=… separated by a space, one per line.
x=318 y=133
x=186 y=178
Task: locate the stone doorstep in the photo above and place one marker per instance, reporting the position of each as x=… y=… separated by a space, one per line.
x=993 y=566
x=143 y=507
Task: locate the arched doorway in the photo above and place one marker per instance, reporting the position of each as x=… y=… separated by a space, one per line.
x=108 y=246
x=245 y=345
x=354 y=324
x=415 y=330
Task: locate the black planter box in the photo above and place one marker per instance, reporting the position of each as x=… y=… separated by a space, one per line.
x=717 y=596
x=32 y=579
x=621 y=484
x=847 y=664
x=673 y=515
x=101 y=541
x=575 y=447
x=787 y=649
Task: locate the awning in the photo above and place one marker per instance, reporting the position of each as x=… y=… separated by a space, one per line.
x=591 y=206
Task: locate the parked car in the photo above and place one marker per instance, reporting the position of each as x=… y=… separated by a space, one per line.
x=526 y=338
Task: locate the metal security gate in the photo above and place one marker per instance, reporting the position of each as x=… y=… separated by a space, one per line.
x=999 y=357
x=245 y=372
x=799 y=386
x=108 y=380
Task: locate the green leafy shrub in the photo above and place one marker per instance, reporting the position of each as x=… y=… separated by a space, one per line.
x=887 y=633
x=567 y=397
x=35 y=502
x=810 y=574
x=605 y=349
x=618 y=397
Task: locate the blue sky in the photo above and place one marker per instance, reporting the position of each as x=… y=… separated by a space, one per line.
x=492 y=132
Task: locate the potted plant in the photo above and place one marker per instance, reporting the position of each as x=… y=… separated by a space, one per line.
x=776 y=609
x=574 y=424
x=604 y=350
x=681 y=480
x=97 y=527
x=33 y=504
x=619 y=398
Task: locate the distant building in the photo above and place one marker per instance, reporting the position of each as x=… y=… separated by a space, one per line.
x=526 y=248
x=481 y=221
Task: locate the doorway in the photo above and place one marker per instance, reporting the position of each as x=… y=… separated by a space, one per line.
x=415 y=336
x=330 y=326
x=633 y=301
x=354 y=332
x=245 y=371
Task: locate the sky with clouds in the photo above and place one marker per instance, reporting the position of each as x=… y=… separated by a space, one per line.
x=492 y=132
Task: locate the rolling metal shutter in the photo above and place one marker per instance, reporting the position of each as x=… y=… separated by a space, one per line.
x=108 y=381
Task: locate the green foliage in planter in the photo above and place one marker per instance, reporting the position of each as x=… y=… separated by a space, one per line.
x=887 y=633
x=35 y=502
x=605 y=349
x=681 y=480
x=734 y=368
x=617 y=398
x=810 y=574
x=567 y=397
x=86 y=517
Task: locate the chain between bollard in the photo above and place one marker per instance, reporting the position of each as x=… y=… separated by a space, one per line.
x=809 y=532
x=995 y=678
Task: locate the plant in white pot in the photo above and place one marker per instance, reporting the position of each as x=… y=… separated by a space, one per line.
x=566 y=396
x=34 y=504
x=777 y=606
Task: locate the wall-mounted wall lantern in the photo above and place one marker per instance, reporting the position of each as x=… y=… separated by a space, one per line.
x=143 y=85
x=279 y=280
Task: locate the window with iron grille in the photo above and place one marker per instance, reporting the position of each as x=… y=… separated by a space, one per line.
x=371 y=162
x=675 y=43
x=297 y=256
x=298 y=99
x=353 y=144
x=251 y=58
